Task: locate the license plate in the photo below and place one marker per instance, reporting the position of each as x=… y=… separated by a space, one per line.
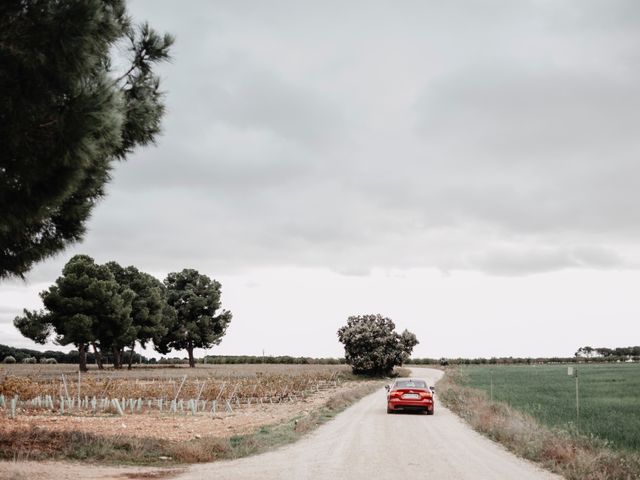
x=411 y=396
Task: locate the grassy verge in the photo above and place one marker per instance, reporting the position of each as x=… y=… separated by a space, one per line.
x=576 y=457
x=40 y=444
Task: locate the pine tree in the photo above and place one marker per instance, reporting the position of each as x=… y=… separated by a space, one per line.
x=66 y=114
x=86 y=306
x=147 y=307
x=197 y=322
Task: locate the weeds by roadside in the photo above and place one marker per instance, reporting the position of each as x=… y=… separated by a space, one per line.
x=402 y=372
x=566 y=453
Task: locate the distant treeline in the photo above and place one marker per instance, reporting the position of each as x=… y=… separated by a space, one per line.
x=520 y=360
x=587 y=355
x=222 y=359
x=21 y=354
x=582 y=355
x=591 y=352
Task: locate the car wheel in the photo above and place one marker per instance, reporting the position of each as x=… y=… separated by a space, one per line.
x=389 y=410
x=430 y=412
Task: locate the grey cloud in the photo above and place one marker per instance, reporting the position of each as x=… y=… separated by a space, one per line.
x=513 y=261
x=11 y=336
x=544 y=115
x=258 y=99
x=6 y=310
x=537 y=146
x=431 y=132
x=7 y=314
x=240 y=93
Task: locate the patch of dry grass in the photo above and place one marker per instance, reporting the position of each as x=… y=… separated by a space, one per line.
x=573 y=456
x=12 y=476
x=206 y=382
x=402 y=372
x=40 y=444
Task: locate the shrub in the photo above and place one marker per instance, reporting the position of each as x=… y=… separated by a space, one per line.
x=372 y=346
x=9 y=359
x=29 y=360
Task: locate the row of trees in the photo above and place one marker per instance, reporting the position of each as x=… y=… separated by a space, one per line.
x=518 y=360
x=21 y=354
x=109 y=308
x=591 y=352
x=280 y=359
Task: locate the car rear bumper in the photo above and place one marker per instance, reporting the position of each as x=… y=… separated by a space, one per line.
x=400 y=404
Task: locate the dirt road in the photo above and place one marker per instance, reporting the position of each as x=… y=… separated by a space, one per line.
x=363 y=442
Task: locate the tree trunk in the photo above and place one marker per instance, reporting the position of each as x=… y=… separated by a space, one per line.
x=82 y=352
x=98 y=355
x=117 y=363
x=133 y=346
x=192 y=362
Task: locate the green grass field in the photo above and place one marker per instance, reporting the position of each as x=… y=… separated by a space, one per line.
x=609 y=396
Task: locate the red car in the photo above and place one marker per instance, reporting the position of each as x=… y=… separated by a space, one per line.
x=410 y=394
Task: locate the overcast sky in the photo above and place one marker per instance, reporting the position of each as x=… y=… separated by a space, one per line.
x=469 y=169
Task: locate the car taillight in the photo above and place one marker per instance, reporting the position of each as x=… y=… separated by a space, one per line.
x=395 y=393
x=425 y=395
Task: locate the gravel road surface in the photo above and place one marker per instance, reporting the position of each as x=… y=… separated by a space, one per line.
x=364 y=442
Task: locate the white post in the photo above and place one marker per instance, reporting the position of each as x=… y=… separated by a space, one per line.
x=492 y=384
x=577 y=402
x=14 y=403
x=201 y=389
x=178 y=392
x=66 y=390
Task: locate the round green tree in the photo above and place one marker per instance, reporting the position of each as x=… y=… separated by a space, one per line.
x=86 y=306
x=198 y=321
x=147 y=308
x=372 y=346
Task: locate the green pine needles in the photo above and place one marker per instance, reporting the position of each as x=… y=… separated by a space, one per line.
x=66 y=114
x=110 y=307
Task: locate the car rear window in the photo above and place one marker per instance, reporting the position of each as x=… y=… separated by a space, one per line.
x=411 y=384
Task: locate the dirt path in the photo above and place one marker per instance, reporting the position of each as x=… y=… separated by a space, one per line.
x=79 y=471
x=364 y=442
